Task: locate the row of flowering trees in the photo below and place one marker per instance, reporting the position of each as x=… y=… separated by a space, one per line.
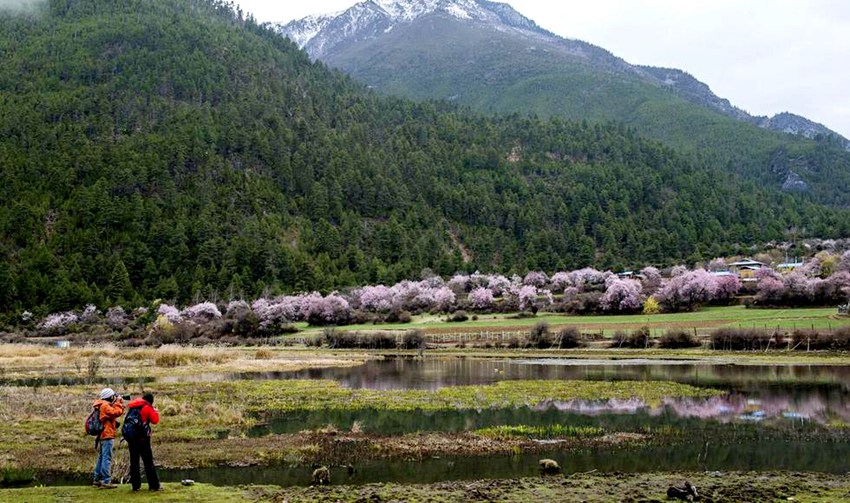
x=580 y=291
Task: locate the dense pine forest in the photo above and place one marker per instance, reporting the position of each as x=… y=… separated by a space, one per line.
x=175 y=149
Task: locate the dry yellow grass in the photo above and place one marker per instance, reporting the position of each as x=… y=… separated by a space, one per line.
x=95 y=362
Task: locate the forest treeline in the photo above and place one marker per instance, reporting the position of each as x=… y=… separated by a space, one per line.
x=175 y=149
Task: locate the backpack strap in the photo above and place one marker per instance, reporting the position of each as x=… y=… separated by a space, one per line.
x=97 y=438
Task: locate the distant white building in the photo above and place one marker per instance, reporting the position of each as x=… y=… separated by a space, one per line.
x=746 y=268
x=789 y=266
x=747 y=262
x=720 y=274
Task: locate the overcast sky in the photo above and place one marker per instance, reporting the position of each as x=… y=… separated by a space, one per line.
x=766 y=56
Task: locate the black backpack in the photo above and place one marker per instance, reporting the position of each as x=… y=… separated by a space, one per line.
x=134 y=428
x=94 y=426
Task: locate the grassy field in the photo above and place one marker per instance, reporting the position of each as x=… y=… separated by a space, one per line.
x=703 y=321
x=571 y=487
x=204 y=424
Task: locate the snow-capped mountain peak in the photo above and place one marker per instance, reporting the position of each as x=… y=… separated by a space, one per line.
x=369 y=18
x=309 y=27
x=408 y=10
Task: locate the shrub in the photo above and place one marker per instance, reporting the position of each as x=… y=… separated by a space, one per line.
x=569 y=338
x=398 y=316
x=676 y=339
x=637 y=339
x=413 y=339
x=338 y=340
x=378 y=340
x=181 y=333
x=349 y=340
x=835 y=340
x=651 y=306
x=540 y=337
x=458 y=317
x=740 y=339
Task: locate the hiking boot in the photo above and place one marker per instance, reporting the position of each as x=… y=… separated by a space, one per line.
x=155 y=490
x=96 y=483
x=108 y=486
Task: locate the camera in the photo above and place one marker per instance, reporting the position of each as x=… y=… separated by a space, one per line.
x=125 y=397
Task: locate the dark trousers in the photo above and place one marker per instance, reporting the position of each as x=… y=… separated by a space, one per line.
x=142 y=449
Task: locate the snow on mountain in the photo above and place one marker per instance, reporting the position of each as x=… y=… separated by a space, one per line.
x=317 y=34
x=309 y=27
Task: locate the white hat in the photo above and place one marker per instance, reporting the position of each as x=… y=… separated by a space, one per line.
x=106 y=393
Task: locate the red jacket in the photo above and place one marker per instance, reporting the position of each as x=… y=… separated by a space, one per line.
x=148 y=413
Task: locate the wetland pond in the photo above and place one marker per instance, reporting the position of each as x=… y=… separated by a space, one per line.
x=793 y=394
x=770 y=417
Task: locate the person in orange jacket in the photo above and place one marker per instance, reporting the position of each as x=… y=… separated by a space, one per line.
x=110 y=406
x=140 y=444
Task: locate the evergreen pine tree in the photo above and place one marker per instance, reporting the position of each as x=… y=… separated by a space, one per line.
x=119 y=288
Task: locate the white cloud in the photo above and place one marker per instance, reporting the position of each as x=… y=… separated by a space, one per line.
x=766 y=56
x=20 y=5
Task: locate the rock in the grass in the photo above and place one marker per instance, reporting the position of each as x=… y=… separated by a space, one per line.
x=321 y=476
x=549 y=467
x=685 y=493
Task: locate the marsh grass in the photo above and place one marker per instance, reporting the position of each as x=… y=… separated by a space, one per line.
x=176 y=356
x=541 y=432
x=263 y=354
x=11 y=476
x=265 y=397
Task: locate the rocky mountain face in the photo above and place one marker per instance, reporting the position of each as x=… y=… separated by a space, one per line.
x=795 y=124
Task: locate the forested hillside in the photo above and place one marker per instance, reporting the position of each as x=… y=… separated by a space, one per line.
x=173 y=149
x=499 y=66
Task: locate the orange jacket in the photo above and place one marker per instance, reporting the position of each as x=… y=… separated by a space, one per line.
x=109 y=413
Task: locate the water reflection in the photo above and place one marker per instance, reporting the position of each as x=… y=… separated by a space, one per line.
x=434 y=373
x=746 y=455
x=818 y=393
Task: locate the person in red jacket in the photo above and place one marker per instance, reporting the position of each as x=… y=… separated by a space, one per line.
x=110 y=407
x=141 y=447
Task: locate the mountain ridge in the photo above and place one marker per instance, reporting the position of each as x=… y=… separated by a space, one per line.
x=385 y=15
